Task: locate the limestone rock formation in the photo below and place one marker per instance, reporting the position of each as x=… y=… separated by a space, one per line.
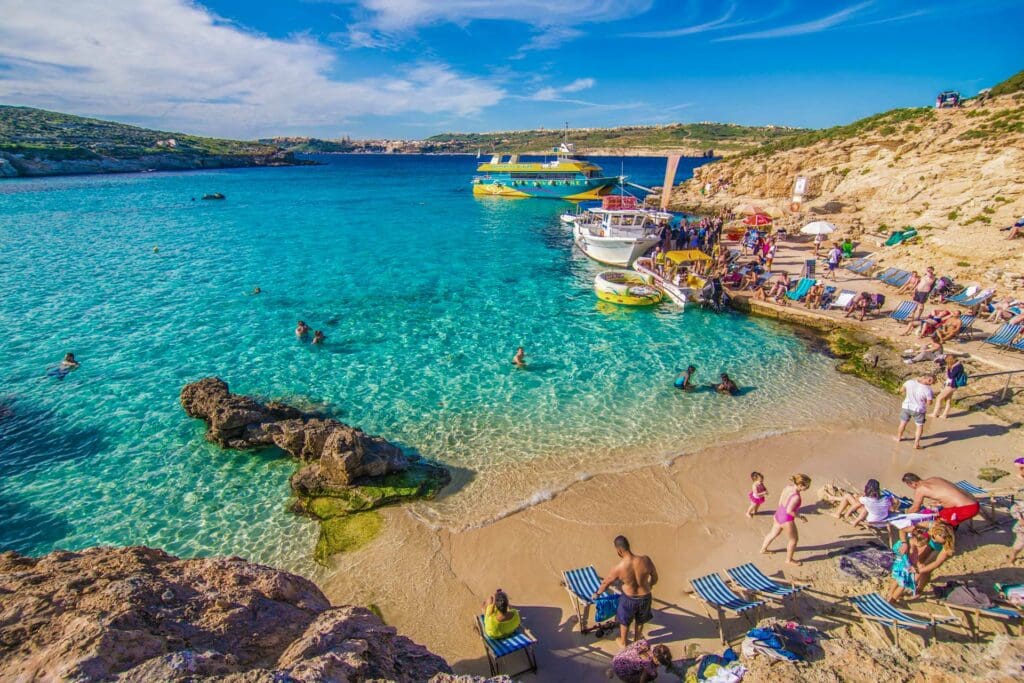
x=138 y=614
x=338 y=454
x=345 y=473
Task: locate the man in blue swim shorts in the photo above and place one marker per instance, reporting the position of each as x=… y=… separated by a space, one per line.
x=637 y=576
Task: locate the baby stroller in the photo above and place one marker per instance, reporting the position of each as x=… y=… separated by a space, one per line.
x=943 y=288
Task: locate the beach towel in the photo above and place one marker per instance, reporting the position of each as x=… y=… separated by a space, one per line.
x=865 y=562
x=605 y=607
x=766 y=642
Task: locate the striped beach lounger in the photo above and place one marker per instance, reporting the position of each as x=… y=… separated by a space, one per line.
x=966 y=325
x=843 y=299
x=964 y=294
x=987 y=499
x=904 y=311
x=864 y=267
x=581 y=584
x=903 y=501
x=749 y=577
x=1004 y=336
x=497 y=648
x=982 y=297
x=971 y=618
x=873 y=610
x=714 y=594
x=899 y=279
x=888 y=272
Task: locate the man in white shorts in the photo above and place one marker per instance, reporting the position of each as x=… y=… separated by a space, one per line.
x=918 y=395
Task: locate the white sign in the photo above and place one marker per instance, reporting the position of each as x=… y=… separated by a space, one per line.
x=801 y=185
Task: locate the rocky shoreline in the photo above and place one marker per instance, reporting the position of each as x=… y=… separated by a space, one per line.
x=20 y=165
x=344 y=475
x=138 y=614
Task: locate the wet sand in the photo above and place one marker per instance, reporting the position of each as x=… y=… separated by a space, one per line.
x=688 y=516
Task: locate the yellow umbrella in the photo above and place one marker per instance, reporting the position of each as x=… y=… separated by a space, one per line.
x=685 y=255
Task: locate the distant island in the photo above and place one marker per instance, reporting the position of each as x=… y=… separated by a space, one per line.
x=36 y=142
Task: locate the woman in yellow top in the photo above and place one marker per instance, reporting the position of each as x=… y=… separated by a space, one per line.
x=500 y=620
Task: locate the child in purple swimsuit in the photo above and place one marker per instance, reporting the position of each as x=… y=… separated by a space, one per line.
x=757 y=494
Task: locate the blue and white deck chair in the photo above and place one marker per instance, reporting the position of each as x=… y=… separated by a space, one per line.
x=497 y=648
x=875 y=611
x=715 y=595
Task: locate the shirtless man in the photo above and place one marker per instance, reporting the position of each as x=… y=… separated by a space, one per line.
x=638 y=576
x=957 y=506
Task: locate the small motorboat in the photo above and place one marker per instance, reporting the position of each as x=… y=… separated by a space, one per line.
x=628 y=289
x=678 y=280
x=214 y=195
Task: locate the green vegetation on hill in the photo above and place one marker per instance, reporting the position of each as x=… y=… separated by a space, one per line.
x=717 y=136
x=1014 y=83
x=52 y=135
x=886 y=123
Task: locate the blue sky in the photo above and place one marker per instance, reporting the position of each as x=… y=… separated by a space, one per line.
x=412 y=68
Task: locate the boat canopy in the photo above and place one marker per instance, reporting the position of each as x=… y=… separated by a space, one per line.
x=685 y=255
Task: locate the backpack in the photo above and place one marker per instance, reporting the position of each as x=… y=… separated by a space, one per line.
x=960 y=380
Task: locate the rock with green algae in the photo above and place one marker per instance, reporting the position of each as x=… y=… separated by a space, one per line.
x=868 y=359
x=991 y=474
x=344 y=534
x=421 y=480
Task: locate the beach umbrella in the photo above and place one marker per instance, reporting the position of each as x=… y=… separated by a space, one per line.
x=818 y=228
x=757 y=219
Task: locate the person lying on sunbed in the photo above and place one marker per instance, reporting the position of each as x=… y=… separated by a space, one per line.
x=1001 y=309
x=926 y=326
x=860 y=303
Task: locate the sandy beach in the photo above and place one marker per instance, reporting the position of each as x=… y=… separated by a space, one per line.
x=688 y=516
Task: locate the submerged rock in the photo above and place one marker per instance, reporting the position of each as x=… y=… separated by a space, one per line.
x=344 y=471
x=139 y=614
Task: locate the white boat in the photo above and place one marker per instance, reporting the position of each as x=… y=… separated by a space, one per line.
x=678 y=285
x=616 y=237
x=569 y=217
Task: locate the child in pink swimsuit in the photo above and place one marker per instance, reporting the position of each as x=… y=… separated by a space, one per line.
x=756 y=495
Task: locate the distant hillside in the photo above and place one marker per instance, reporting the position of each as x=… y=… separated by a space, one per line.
x=687 y=138
x=40 y=142
x=957 y=175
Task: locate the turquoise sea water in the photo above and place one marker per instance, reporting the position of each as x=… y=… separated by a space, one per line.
x=424 y=293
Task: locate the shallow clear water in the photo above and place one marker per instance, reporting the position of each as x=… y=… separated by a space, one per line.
x=424 y=293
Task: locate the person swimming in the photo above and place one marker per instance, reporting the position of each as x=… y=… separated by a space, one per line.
x=318 y=337
x=685 y=381
x=519 y=359
x=256 y=290
x=301 y=329
x=727 y=386
x=67 y=365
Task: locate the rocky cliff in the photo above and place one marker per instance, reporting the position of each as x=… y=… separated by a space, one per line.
x=957 y=175
x=13 y=165
x=139 y=614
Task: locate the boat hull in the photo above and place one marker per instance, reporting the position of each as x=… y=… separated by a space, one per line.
x=613 y=251
x=679 y=294
x=626 y=289
x=573 y=190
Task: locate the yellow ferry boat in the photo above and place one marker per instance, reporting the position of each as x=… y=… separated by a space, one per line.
x=562 y=178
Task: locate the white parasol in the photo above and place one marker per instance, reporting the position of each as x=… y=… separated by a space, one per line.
x=818 y=228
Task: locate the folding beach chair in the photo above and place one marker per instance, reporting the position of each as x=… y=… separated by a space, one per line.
x=899 y=279
x=498 y=648
x=1019 y=345
x=887 y=273
x=964 y=294
x=844 y=299
x=581 y=584
x=903 y=501
x=801 y=289
x=750 y=578
x=853 y=264
x=966 y=326
x=972 y=618
x=1004 y=336
x=982 y=296
x=863 y=267
x=714 y=594
x=827 y=295
x=874 y=611
x=904 y=311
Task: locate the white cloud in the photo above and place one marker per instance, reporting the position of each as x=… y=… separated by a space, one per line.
x=172 y=64
x=405 y=14
x=549 y=39
x=551 y=94
x=815 y=26
x=718 y=24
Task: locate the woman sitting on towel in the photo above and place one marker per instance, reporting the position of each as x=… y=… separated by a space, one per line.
x=638 y=663
x=873 y=506
x=500 y=620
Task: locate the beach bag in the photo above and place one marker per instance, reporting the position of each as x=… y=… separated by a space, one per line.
x=969 y=596
x=605 y=607
x=961 y=379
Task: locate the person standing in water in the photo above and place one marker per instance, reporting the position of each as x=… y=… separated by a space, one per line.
x=301 y=329
x=69 y=362
x=318 y=337
x=727 y=386
x=519 y=360
x=685 y=381
x=638 y=576
x=786 y=514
